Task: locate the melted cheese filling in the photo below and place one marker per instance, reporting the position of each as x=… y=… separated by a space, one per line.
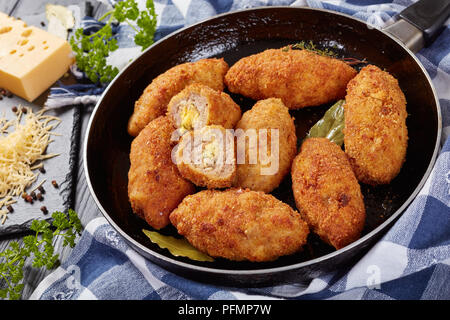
x=189 y=114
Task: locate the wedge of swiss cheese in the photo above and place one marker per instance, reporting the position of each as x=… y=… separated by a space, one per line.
x=31 y=59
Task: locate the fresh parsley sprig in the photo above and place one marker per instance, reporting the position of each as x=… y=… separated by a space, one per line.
x=40 y=246
x=91 y=50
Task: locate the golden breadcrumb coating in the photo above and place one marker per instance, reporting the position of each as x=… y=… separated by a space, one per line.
x=153 y=101
x=375 y=134
x=327 y=193
x=266 y=114
x=239 y=224
x=155 y=187
x=300 y=78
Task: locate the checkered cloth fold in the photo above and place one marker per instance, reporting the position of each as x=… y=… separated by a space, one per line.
x=412 y=261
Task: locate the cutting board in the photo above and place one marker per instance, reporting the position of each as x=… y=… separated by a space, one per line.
x=62 y=168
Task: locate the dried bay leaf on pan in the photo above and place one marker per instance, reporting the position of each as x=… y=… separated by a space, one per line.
x=177 y=247
x=331 y=125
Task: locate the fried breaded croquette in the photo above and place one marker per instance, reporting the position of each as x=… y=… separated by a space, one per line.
x=153 y=101
x=155 y=187
x=240 y=224
x=198 y=105
x=327 y=193
x=300 y=78
x=206 y=157
x=375 y=134
x=266 y=145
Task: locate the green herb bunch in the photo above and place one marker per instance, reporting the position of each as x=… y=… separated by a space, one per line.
x=40 y=246
x=92 y=50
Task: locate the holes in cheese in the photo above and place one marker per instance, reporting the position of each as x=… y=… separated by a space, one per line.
x=26 y=33
x=5 y=29
x=22 y=42
x=30 y=48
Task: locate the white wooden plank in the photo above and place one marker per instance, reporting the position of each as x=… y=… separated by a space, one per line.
x=34 y=11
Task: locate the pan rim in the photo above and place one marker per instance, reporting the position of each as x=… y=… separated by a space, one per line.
x=245 y=272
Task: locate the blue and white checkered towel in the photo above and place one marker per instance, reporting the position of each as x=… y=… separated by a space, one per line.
x=412 y=261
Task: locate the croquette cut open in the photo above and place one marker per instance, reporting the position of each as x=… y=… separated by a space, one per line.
x=199 y=105
x=207 y=157
x=153 y=101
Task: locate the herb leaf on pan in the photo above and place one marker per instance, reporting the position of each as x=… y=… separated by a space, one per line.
x=310 y=46
x=177 y=247
x=92 y=50
x=331 y=125
x=325 y=52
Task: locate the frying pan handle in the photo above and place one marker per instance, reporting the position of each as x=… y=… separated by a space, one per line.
x=420 y=23
x=428 y=16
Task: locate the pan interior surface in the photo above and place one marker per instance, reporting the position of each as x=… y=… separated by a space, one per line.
x=233 y=36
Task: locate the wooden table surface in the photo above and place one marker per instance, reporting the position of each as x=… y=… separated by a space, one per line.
x=84 y=204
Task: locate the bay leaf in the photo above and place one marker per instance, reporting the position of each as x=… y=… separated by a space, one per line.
x=177 y=247
x=331 y=125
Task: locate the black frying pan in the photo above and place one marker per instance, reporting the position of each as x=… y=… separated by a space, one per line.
x=233 y=36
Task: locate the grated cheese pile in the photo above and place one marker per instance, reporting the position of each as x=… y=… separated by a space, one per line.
x=21 y=148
